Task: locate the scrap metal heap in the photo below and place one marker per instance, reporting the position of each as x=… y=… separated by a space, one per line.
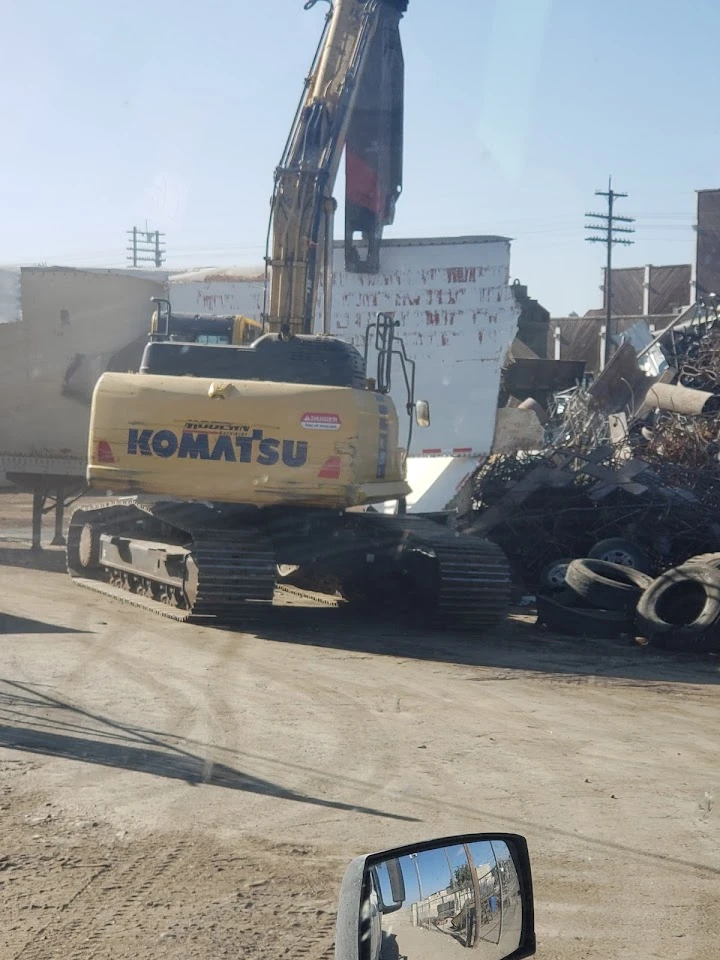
x=631 y=461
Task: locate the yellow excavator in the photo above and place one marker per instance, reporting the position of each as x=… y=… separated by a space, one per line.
x=228 y=467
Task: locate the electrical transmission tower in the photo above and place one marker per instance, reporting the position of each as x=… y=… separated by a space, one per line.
x=145 y=247
x=607 y=225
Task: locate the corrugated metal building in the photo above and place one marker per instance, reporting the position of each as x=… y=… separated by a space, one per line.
x=648 y=291
x=654 y=294
x=707 y=255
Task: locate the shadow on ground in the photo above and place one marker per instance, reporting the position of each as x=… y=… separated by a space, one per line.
x=515 y=644
x=51 y=559
x=33 y=721
x=42 y=724
x=11 y=624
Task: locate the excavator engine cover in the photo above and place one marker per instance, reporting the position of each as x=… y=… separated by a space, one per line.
x=276 y=423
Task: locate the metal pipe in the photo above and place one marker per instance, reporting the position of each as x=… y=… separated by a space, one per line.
x=679 y=399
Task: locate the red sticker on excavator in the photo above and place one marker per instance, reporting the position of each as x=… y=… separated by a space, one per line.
x=105 y=454
x=320 y=421
x=330 y=470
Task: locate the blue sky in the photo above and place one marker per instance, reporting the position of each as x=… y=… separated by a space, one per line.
x=435 y=868
x=434 y=873
x=517 y=111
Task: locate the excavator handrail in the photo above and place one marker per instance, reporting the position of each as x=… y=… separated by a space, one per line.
x=385 y=345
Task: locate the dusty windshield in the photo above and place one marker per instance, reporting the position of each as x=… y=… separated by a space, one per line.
x=359 y=478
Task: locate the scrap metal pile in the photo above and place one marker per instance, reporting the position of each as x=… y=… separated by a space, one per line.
x=629 y=479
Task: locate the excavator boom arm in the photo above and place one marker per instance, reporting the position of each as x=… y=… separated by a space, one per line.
x=357 y=33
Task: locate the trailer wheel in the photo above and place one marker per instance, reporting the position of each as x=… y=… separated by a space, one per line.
x=552 y=575
x=623 y=552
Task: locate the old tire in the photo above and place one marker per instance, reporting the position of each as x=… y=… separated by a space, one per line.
x=709 y=559
x=681 y=609
x=567 y=598
x=623 y=552
x=552 y=575
x=581 y=621
x=608 y=586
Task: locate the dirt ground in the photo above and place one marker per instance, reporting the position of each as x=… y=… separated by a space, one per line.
x=174 y=791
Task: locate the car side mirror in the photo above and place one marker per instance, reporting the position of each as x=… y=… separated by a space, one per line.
x=421 y=901
x=422 y=413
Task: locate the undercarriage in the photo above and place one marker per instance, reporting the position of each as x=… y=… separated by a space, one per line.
x=217 y=564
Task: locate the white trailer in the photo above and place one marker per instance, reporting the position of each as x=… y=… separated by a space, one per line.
x=457 y=316
x=60 y=328
x=222 y=291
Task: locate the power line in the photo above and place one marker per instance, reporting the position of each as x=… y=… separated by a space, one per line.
x=145 y=247
x=608 y=224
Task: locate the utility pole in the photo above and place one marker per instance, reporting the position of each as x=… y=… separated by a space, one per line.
x=145 y=247
x=413 y=857
x=607 y=224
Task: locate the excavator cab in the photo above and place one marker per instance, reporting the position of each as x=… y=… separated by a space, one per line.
x=201 y=328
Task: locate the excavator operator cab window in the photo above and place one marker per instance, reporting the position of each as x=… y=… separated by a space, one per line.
x=212 y=338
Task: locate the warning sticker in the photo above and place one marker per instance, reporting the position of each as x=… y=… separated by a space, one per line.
x=321 y=421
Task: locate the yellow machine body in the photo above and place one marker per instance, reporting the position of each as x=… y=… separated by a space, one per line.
x=245 y=330
x=244 y=442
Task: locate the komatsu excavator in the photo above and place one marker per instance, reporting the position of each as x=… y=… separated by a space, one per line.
x=229 y=467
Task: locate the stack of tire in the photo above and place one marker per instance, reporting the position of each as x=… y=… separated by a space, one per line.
x=681 y=609
x=611 y=594
x=598 y=599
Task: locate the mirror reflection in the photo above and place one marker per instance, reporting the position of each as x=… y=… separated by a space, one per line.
x=422 y=413
x=441 y=901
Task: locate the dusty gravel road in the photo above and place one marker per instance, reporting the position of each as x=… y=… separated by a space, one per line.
x=169 y=791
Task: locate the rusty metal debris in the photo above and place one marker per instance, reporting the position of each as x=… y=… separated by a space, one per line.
x=636 y=455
